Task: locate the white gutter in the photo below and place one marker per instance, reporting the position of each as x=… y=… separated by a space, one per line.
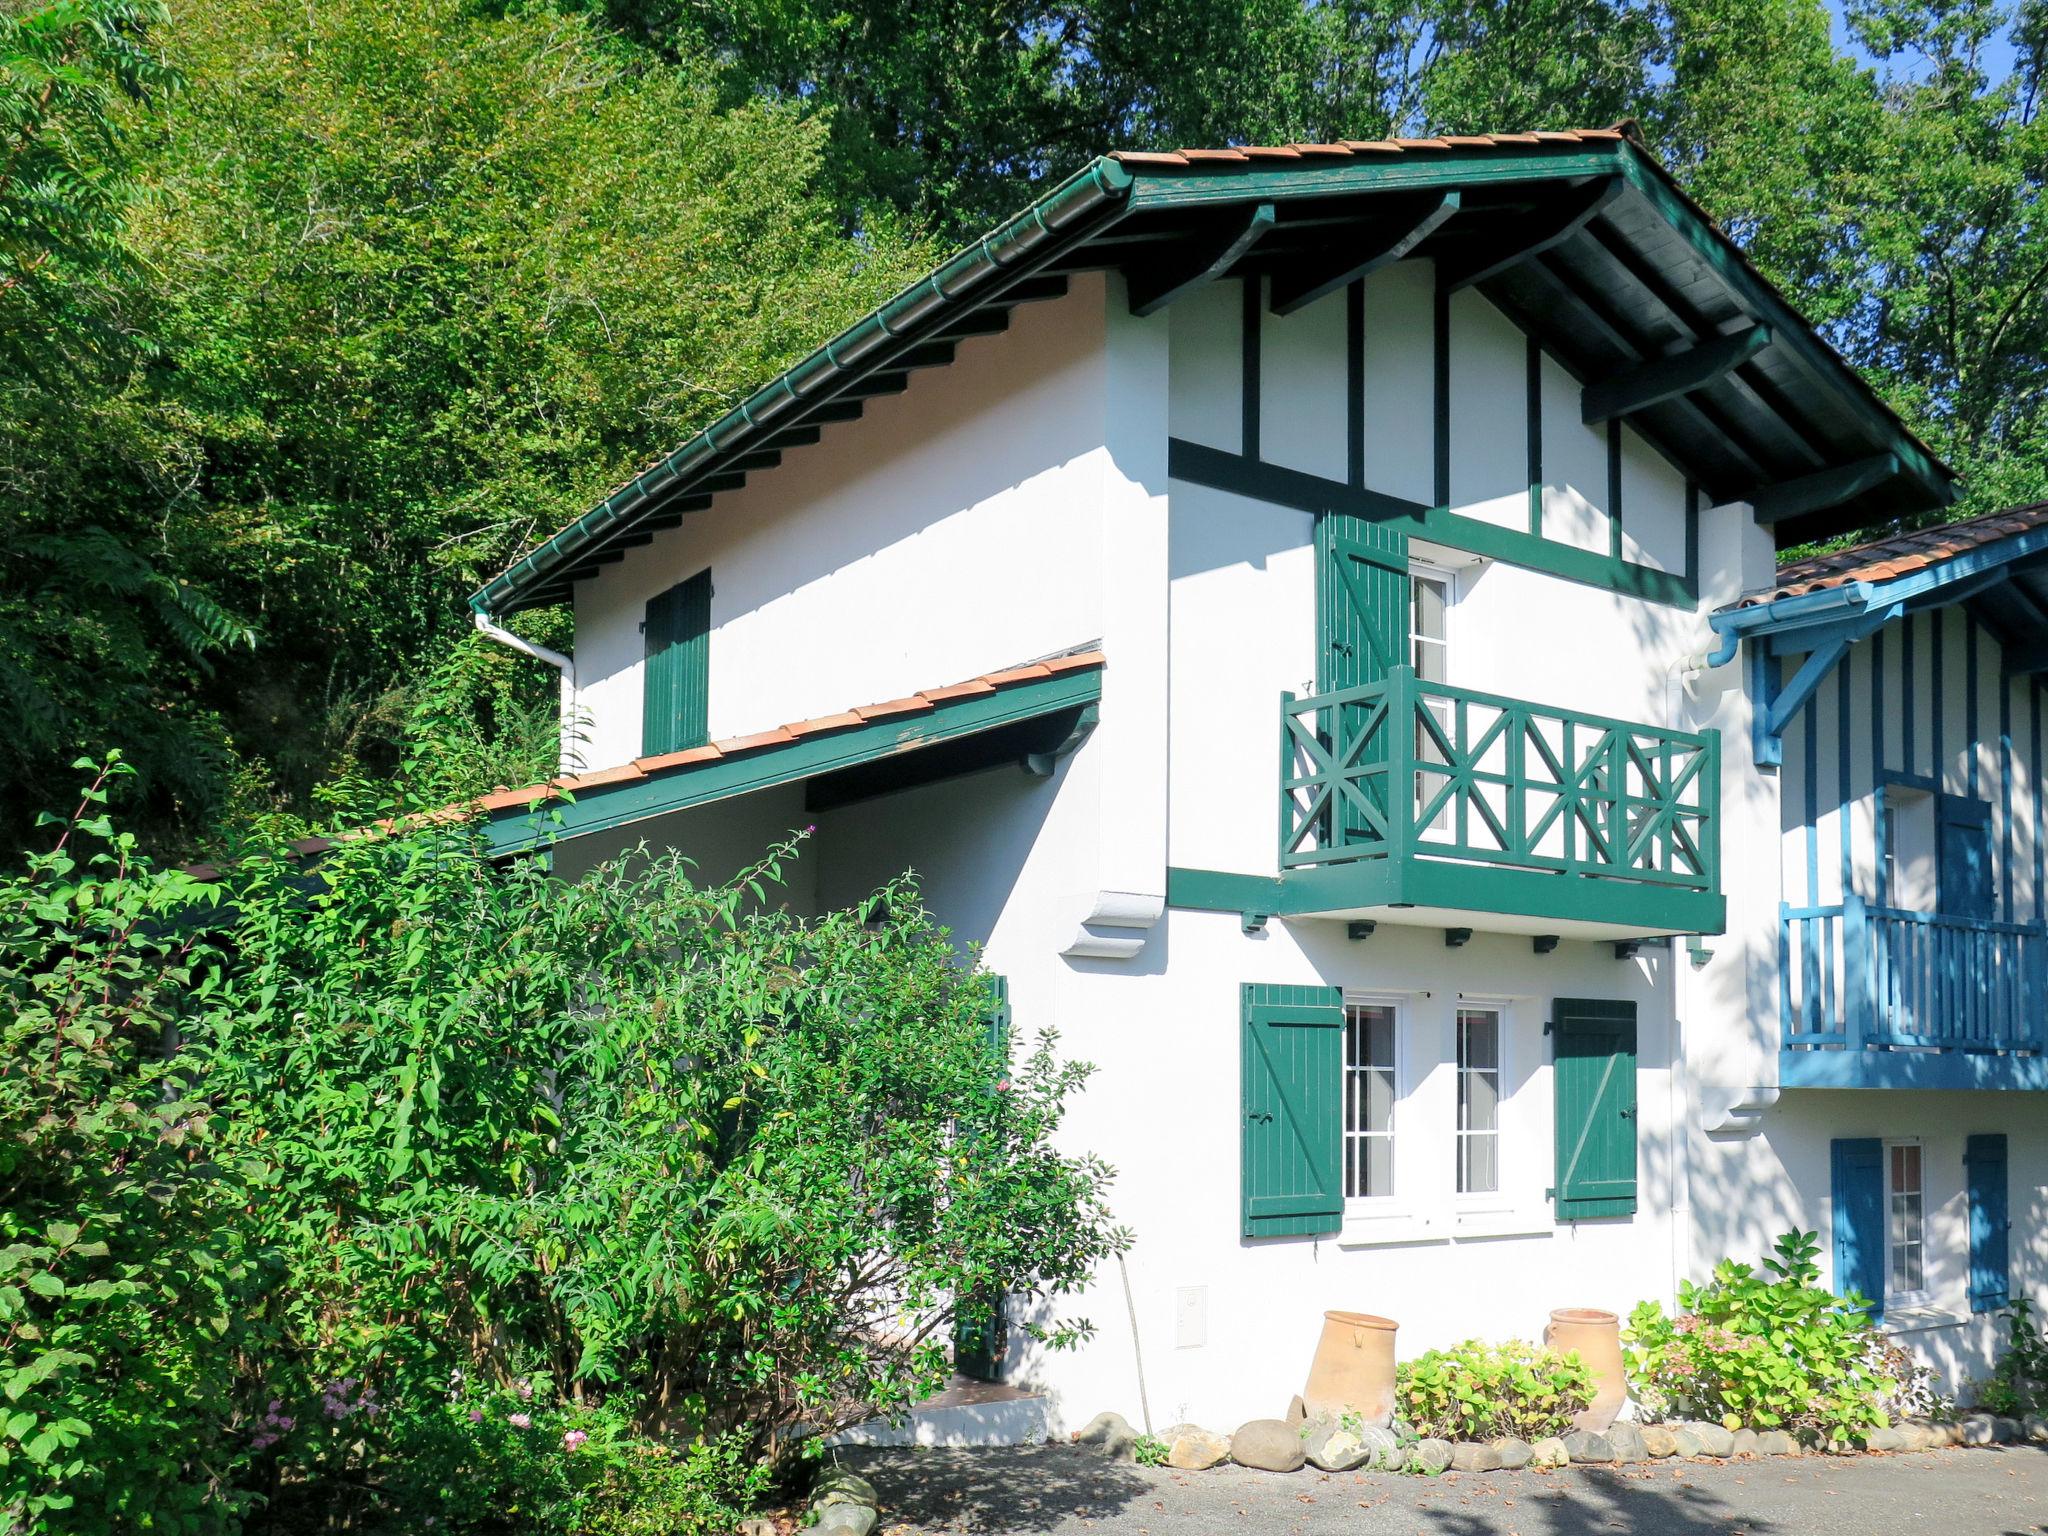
x=566 y=665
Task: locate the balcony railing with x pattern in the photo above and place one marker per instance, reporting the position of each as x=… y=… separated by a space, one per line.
x=1405 y=769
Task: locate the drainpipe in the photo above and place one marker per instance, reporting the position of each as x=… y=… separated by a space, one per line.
x=566 y=665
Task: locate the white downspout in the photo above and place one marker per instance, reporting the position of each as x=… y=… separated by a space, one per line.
x=566 y=665
x=1679 y=1087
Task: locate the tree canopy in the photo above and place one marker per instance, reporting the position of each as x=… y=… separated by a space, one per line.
x=312 y=316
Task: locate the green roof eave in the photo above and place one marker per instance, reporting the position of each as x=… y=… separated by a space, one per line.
x=1013 y=249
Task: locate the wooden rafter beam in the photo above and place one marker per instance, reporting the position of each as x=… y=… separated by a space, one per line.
x=1177 y=273
x=1823 y=488
x=1407 y=224
x=1666 y=378
x=1541 y=233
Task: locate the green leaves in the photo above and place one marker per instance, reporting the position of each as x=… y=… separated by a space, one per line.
x=1479 y=1391
x=1764 y=1351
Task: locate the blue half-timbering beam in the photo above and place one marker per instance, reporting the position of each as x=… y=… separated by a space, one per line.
x=1153 y=288
x=1666 y=378
x=1300 y=284
x=1789 y=700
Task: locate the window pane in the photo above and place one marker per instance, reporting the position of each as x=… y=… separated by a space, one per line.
x=1905 y=1270
x=1477 y=1172
x=1478 y=1040
x=1429 y=608
x=1479 y=1106
x=1368 y=1102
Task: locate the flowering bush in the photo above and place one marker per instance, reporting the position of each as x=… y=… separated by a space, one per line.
x=1774 y=1353
x=1913 y=1390
x=1479 y=1391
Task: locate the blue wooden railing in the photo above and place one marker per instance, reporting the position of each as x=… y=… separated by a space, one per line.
x=1856 y=975
x=1406 y=769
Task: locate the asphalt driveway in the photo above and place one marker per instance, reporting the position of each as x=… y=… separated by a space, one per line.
x=1057 y=1490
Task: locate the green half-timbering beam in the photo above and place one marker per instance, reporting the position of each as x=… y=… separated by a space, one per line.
x=1177 y=275
x=1406 y=225
x=1541 y=232
x=1666 y=378
x=1823 y=488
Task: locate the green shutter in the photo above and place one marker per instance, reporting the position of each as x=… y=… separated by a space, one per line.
x=1595 y=1076
x=1292 y=1084
x=1361 y=634
x=1990 y=1260
x=1857 y=1166
x=1361 y=600
x=980 y=1340
x=675 y=692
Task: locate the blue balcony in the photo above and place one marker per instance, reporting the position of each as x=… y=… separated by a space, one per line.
x=1880 y=997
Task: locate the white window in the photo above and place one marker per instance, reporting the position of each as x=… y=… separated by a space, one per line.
x=1905 y=1245
x=1429 y=597
x=1478 y=1101
x=1888 y=831
x=1369 y=1085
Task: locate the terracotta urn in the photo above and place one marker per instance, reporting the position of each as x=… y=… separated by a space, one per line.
x=1595 y=1337
x=1353 y=1371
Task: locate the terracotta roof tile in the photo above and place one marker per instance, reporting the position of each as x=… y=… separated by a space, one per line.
x=824 y=723
x=891 y=707
x=733 y=746
x=1023 y=674
x=625 y=773
x=683 y=759
x=1888 y=558
x=515 y=799
x=957 y=691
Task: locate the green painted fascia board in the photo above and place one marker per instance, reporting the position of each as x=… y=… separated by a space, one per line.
x=1922 y=1070
x=1010 y=248
x=1466 y=887
x=615 y=805
x=1225 y=183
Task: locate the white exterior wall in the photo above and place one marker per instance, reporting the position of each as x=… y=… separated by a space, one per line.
x=954 y=529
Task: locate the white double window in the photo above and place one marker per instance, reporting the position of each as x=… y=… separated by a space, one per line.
x=1400 y=1115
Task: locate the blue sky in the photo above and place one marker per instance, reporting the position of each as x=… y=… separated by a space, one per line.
x=1998 y=57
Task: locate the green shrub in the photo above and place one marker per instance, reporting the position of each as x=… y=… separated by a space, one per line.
x=1479 y=1391
x=1773 y=1351
x=126 y=1282
x=2019 y=1381
x=1150 y=1451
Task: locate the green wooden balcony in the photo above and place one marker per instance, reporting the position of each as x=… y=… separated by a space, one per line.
x=1416 y=797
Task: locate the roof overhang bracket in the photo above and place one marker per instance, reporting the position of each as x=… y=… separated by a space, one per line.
x=1408 y=223
x=1776 y=706
x=1560 y=222
x=1040 y=764
x=1152 y=289
x=1823 y=488
x=1666 y=378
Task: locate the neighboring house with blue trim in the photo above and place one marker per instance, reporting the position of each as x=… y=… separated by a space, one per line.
x=1290 y=607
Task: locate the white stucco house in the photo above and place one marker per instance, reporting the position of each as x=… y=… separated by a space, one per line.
x=1312 y=617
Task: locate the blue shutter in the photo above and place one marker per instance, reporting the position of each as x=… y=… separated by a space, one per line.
x=1859 y=1219
x=1594 y=1079
x=1990 y=1268
x=675 y=680
x=1292 y=1084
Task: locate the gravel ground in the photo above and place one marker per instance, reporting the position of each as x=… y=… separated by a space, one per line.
x=1057 y=1490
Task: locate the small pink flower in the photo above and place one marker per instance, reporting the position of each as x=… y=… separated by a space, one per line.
x=1003 y=1086
x=476 y=1415
x=573 y=1439
x=520 y=1421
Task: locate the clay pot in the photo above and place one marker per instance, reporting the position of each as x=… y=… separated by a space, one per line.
x=1595 y=1337
x=1353 y=1371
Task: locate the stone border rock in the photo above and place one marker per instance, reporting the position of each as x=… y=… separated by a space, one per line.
x=843 y=1504
x=1286 y=1445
